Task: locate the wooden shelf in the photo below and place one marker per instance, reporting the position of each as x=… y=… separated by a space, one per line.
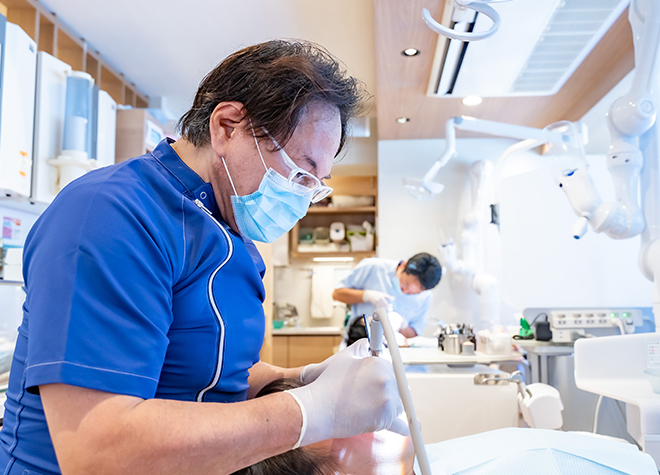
x=310 y=255
x=47 y=34
x=71 y=50
x=93 y=66
x=322 y=216
x=112 y=84
x=347 y=210
x=53 y=37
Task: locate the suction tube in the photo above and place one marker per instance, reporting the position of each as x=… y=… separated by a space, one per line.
x=415 y=431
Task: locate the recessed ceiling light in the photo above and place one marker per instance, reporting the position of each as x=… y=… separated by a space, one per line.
x=410 y=52
x=402 y=120
x=472 y=100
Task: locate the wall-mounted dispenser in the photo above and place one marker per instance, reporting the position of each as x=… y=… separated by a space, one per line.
x=74 y=160
x=75 y=121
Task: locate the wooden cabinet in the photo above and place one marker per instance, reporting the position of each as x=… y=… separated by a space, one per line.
x=290 y=351
x=323 y=216
x=138 y=132
x=56 y=39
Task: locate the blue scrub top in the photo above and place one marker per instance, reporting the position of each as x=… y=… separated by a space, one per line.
x=379 y=274
x=136 y=286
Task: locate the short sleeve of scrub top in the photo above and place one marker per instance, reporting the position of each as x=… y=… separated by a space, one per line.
x=357 y=277
x=135 y=286
x=108 y=300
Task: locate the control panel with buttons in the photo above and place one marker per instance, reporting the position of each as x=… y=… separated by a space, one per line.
x=568 y=325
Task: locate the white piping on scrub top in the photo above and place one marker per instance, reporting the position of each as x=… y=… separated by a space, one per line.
x=221 y=345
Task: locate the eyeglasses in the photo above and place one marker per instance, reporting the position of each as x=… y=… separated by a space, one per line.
x=301 y=178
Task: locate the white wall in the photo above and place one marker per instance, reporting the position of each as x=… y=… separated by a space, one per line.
x=293 y=285
x=542 y=265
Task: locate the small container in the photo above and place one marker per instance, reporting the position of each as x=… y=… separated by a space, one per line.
x=277 y=324
x=467 y=348
x=452 y=344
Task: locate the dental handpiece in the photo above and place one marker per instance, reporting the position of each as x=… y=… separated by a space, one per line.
x=375 y=336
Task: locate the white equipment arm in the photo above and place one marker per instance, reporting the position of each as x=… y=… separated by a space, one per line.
x=470 y=267
x=629 y=117
x=424 y=189
x=478 y=6
x=644 y=16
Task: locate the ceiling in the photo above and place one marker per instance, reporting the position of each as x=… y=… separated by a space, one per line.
x=403 y=81
x=165 y=48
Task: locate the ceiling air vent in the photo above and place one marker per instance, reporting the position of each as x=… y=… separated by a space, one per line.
x=538 y=46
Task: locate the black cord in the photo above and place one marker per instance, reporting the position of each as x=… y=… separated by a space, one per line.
x=536 y=318
x=528 y=337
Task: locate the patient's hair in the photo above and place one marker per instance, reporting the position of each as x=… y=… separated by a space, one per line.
x=300 y=461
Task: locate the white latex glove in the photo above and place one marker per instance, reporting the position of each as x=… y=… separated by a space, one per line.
x=397 y=321
x=312 y=371
x=355 y=394
x=377 y=299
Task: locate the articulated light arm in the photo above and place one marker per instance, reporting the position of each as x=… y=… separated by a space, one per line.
x=424 y=189
x=629 y=117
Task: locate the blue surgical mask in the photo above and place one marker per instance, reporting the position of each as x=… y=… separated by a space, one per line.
x=397 y=286
x=272 y=210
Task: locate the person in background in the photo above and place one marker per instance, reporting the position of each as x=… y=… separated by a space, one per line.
x=139 y=347
x=404 y=286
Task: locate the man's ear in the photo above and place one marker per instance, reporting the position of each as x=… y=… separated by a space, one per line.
x=223 y=124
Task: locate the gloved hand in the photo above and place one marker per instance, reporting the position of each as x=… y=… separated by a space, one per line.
x=397 y=321
x=355 y=394
x=377 y=299
x=312 y=371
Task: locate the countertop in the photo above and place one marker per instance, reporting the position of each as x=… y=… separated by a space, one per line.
x=308 y=331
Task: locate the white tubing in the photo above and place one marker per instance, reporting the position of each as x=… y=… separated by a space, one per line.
x=415 y=431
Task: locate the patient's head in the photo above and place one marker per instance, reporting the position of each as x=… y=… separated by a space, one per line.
x=375 y=453
x=301 y=461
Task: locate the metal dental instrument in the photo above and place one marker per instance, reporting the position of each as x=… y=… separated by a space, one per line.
x=380 y=316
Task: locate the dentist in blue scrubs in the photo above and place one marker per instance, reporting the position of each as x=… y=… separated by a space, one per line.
x=139 y=348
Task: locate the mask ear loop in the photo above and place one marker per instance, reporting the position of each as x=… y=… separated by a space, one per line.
x=229 y=176
x=258 y=148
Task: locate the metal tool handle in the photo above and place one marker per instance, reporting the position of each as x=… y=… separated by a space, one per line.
x=415 y=431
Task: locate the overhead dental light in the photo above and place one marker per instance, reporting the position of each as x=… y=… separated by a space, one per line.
x=479 y=6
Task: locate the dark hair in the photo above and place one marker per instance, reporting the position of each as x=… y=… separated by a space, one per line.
x=426 y=268
x=275 y=81
x=300 y=461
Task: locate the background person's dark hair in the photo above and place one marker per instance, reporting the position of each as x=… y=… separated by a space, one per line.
x=426 y=268
x=301 y=461
x=275 y=81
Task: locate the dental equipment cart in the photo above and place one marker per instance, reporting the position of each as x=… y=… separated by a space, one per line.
x=449 y=402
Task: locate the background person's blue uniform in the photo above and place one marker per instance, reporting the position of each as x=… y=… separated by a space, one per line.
x=379 y=274
x=132 y=288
